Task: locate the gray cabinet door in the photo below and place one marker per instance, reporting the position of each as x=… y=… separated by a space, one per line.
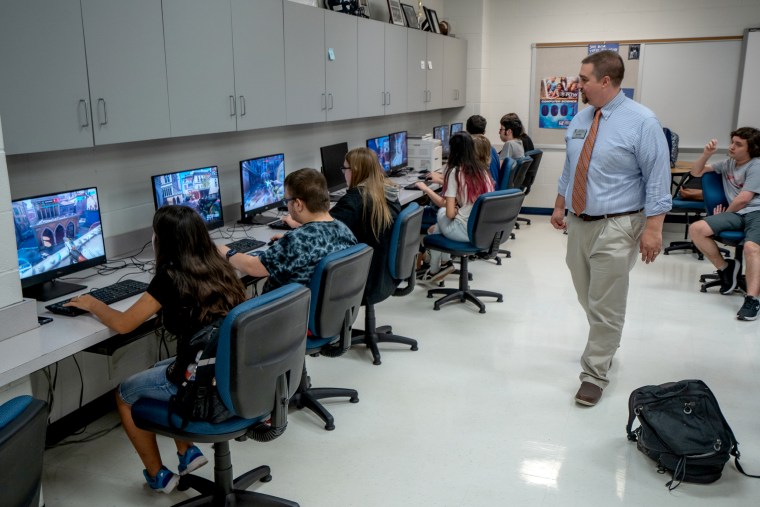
x=417 y=92
x=259 y=52
x=199 y=68
x=127 y=69
x=434 y=70
x=44 y=95
x=454 y=72
x=304 y=63
x=341 y=60
x=372 y=93
x=395 y=68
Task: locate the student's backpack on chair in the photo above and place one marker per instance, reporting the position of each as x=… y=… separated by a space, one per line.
x=683 y=431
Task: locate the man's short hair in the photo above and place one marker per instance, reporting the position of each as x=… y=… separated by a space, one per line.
x=310 y=186
x=752 y=136
x=476 y=124
x=607 y=63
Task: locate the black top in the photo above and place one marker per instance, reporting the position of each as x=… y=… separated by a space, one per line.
x=527 y=143
x=380 y=283
x=178 y=319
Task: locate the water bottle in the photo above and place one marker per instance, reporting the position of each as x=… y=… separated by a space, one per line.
x=190 y=372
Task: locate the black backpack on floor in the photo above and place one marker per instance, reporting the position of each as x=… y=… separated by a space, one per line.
x=683 y=431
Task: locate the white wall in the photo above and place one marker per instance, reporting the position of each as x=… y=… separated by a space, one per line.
x=10 y=286
x=510 y=27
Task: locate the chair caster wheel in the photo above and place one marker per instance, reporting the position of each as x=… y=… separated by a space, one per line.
x=500 y=300
x=415 y=348
x=430 y=296
x=266 y=478
x=354 y=399
x=482 y=311
x=436 y=308
x=329 y=426
x=377 y=362
x=666 y=252
x=703 y=289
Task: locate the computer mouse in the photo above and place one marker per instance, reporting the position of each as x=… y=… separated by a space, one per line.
x=271 y=242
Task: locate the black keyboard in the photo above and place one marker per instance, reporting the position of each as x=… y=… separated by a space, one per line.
x=246 y=244
x=109 y=295
x=279 y=225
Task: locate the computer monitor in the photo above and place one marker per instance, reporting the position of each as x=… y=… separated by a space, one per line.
x=381 y=146
x=262 y=183
x=455 y=127
x=57 y=235
x=195 y=188
x=442 y=132
x=398 y=150
x=332 y=165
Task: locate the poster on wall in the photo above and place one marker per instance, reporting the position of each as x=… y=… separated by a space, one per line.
x=558 y=103
x=612 y=46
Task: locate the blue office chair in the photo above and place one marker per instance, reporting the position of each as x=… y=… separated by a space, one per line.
x=530 y=177
x=337 y=286
x=513 y=173
x=258 y=366
x=493 y=217
x=23 y=423
x=713 y=195
x=692 y=211
x=402 y=260
x=506 y=174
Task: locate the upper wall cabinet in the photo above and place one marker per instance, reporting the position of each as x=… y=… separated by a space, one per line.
x=425 y=71
x=259 y=52
x=44 y=96
x=127 y=69
x=454 y=72
x=382 y=88
x=199 y=66
x=320 y=64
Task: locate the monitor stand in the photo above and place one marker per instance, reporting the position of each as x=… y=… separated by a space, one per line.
x=257 y=219
x=51 y=290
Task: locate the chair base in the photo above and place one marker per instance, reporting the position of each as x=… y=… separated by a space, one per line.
x=463 y=293
x=713 y=280
x=226 y=492
x=308 y=397
x=522 y=219
x=375 y=335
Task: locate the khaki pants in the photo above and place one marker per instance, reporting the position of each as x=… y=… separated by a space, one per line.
x=600 y=256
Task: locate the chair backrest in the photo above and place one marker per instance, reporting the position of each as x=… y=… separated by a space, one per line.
x=505 y=173
x=530 y=176
x=494 y=213
x=522 y=165
x=336 y=287
x=261 y=340
x=712 y=191
x=672 y=139
x=23 y=423
x=405 y=242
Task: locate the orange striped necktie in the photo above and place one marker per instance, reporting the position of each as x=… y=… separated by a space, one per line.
x=581 y=170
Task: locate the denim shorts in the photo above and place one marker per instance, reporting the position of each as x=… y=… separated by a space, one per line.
x=151 y=383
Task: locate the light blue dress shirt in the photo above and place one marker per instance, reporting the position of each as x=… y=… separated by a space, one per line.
x=630 y=164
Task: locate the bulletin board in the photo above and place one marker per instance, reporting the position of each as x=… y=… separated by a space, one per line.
x=690 y=84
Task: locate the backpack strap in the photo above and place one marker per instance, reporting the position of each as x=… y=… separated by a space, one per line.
x=631 y=417
x=739 y=467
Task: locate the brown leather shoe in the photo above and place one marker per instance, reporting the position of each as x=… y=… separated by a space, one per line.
x=588 y=394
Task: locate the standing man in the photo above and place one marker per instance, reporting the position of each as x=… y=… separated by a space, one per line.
x=741 y=184
x=616 y=185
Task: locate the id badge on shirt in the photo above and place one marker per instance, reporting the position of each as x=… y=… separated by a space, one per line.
x=579 y=133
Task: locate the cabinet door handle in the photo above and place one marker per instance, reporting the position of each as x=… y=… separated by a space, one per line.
x=389 y=99
x=324 y=101
x=329 y=95
x=242 y=105
x=83 y=105
x=383 y=94
x=105 y=112
x=233 y=109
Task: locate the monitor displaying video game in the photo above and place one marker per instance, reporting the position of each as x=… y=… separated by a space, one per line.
x=455 y=127
x=262 y=183
x=381 y=146
x=442 y=132
x=195 y=188
x=399 y=151
x=333 y=157
x=57 y=235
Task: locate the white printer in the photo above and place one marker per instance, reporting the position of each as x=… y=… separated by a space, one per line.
x=425 y=153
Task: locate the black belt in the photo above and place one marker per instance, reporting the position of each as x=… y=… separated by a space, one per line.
x=594 y=218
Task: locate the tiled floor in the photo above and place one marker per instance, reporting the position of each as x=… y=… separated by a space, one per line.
x=483 y=413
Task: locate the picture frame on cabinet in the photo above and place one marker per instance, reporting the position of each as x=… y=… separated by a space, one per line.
x=364 y=7
x=397 y=15
x=432 y=20
x=411 y=16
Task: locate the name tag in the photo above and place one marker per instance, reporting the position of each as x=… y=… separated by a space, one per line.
x=579 y=133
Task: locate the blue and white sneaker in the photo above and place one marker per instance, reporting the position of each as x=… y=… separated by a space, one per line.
x=192 y=460
x=164 y=481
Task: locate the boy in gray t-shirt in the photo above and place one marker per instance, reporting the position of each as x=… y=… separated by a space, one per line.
x=741 y=183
